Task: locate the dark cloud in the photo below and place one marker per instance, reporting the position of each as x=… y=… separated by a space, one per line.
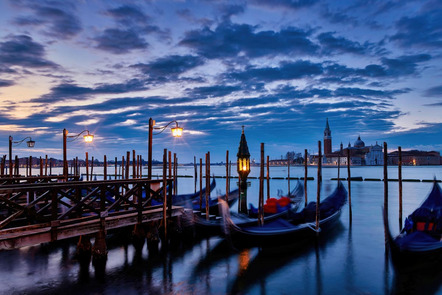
x=69 y=90
x=434 y=91
x=120 y=41
x=286 y=71
x=338 y=17
x=231 y=40
x=58 y=18
x=404 y=65
x=332 y=45
x=190 y=17
x=422 y=30
x=169 y=67
x=6 y=83
x=288 y=4
x=128 y=15
x=227 y=11
x=213 y=91
x=21 y=50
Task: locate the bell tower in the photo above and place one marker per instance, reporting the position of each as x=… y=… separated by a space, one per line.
x=327 y=139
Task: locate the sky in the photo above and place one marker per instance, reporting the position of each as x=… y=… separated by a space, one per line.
x=279 y=68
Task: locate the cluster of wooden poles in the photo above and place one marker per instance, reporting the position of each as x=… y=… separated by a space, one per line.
x=45 y=167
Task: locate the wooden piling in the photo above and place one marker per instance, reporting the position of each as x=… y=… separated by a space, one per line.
x=127 y=164
x=92 y=168
x=400 y=185
x=195 y=171
x=105 y=167
x=17 y=166
x=175 y=172
x=385 y=179
x=288 y=174
x=87 y=167
x=261 y=187
x=122 y=167
x=134 y=171
x=116 y=167
x=30 y=165
x=268 y=177
x=41 y=167
x=201 y=184
x=77 y=167
x=170 y=164
x=2 y=168
x=207 y=184
x=349 y=182
x=46 y=165
x=165 y=194
x=339 y=166
x=305 y=176
x=318 y=192
x=227 y=176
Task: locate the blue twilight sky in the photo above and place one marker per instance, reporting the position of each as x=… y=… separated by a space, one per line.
x=280 y=68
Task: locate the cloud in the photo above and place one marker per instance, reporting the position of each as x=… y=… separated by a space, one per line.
x=21 y=50
x=169 y=67
x=232 y=40
x=128 y=15
x=434 y=91
x=286 y=4
x=286 y=71
x=67 y=90
x=59 y=19
x=88 y=122
x=6 y=83
x=421 y=31
x=331 y=44
x=119 y=41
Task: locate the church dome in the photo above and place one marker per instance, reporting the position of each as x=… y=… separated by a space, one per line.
x=359 y=143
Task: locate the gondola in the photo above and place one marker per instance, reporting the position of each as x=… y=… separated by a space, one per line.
x=295 y=227
x=420 y=240
x=215 y=225
x=213 y=202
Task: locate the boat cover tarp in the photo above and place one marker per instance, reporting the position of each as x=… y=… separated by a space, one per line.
x=431 y=209
x=418 y=241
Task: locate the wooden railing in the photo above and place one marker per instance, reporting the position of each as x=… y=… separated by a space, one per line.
x=33 y=203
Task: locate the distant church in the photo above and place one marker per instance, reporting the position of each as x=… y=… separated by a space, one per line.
x=359 y=153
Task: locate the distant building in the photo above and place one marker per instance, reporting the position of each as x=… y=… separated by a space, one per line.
x=415 y=158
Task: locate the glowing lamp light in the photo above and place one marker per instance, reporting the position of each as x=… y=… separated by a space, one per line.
x=88 y=138
x=177 y=131
x=30 y=143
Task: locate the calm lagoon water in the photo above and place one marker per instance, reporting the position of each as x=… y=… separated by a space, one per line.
x=349 y=260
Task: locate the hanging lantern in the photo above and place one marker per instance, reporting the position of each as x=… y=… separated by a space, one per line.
x=243 y=161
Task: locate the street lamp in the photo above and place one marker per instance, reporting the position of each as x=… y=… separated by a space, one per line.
x=243 y=167
x=176 y=132
x=87 y=138
x=30 y=144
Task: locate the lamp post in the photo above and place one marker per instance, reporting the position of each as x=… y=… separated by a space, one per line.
x=30 y=144
x=176 y=132
x=243 y=167
x=87 y=138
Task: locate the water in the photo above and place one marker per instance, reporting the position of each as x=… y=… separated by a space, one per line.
x=349 y=260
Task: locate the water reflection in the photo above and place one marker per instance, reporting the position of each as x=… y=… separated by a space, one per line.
x=275 y=259
x=422 y=281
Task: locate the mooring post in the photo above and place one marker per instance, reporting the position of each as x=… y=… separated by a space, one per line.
x=305 y=176
x=385 y=178
x=127 y=164
x=195 y=171
x=288 y=173
x=122 y=167
x=105 y=167
x=400 y=185
x=41 y=166
x=201 y=184
x=165 y=195
x=339 y=166
x=261 y=187
x=116 y=168
x=30 y=166
x=227 y=176
x=92 y=168
x=175 y=174
x=318 y=192
x=207 y=184
x=134 y=171
x=268 y=177
x=349 y=182
x=46 y=165
x=87 y=167
x=17 y=166
x=170 y=164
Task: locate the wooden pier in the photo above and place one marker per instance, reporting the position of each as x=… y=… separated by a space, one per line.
x=38 y=210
